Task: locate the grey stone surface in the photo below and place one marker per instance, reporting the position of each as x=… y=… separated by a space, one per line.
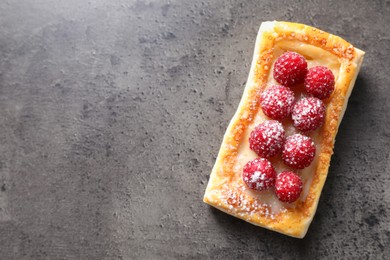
x=112 y=113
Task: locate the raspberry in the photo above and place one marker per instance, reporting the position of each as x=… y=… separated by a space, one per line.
x=267 y=139
x=308 y=114
x=290 y=69
x=288 y=186
x=259 y=174
x=319 y=82
x=277 y=102
x=298 y=151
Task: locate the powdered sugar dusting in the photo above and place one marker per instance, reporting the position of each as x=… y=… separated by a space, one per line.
x=298 y=151
x=259 y=174
x=290 y=68
x=241 y=202
x=319 y=82
x=308 y=114
x=277 y=102
x=288 y=186
x=267 y=138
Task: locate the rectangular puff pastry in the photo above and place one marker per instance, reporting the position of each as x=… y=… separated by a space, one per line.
x=226 y=189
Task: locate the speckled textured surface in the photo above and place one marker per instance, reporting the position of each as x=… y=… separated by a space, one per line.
x=111 y=116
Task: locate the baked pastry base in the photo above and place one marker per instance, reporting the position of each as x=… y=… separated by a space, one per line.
x=226 y=190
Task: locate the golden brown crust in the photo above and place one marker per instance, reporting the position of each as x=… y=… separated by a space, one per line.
x=225 y=190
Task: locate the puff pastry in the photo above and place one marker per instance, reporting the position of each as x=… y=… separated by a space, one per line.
x=226 y=189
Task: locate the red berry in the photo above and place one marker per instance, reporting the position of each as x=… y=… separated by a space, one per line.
x=259 y=174
x=319 y=82
x=290 y=69
x=277 y=102
x=267 y=138
x=308 y=114
x=288 y=186
x=298 y=151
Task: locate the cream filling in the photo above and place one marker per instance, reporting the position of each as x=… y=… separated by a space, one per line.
x=315 y=56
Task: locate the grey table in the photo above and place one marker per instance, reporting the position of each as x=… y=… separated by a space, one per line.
x=112 y=113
